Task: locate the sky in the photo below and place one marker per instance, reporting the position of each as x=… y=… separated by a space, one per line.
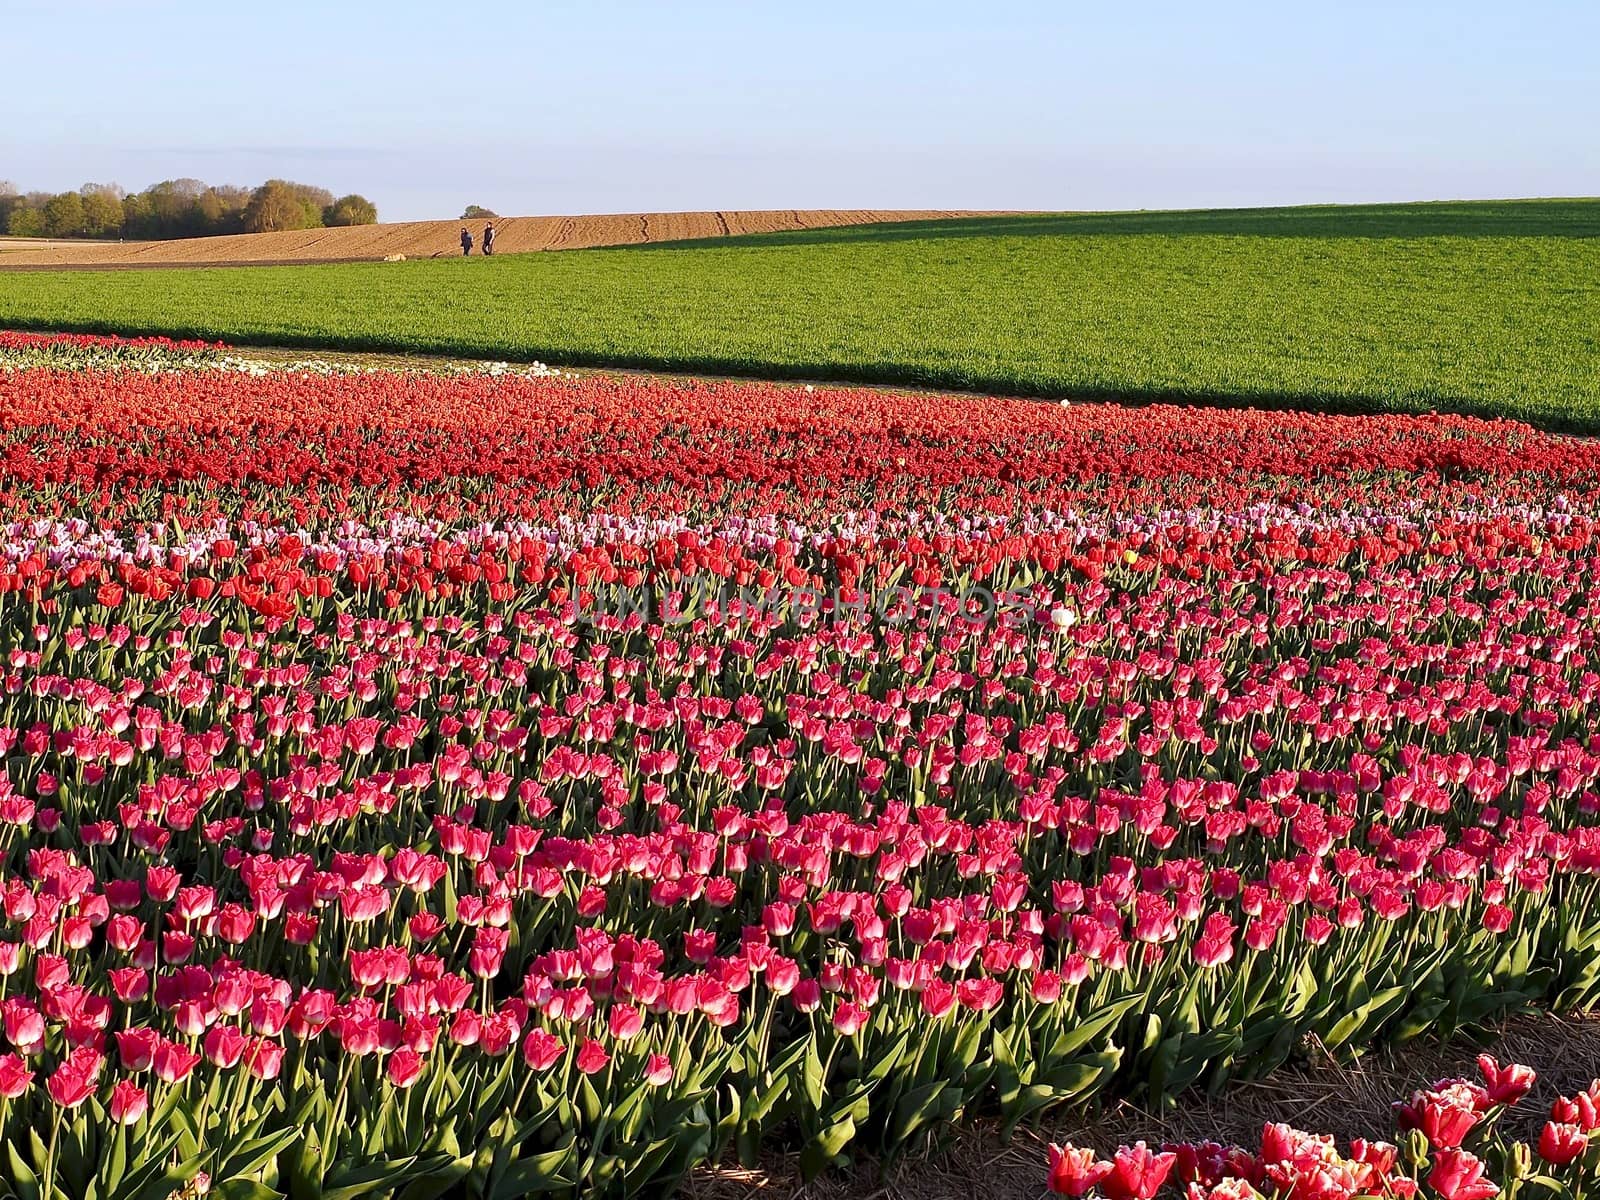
x=551 y=106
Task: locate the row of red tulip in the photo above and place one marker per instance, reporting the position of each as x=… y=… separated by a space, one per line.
x=679 y=446
x=1450 y=1147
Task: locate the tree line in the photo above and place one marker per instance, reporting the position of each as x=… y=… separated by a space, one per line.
x=177 y=208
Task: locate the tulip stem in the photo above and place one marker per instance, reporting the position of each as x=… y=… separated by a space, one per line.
x=48 y=1190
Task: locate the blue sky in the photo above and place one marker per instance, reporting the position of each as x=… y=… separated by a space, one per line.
x=567 y=107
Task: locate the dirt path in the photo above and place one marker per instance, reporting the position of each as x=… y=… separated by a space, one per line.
x=434 y=239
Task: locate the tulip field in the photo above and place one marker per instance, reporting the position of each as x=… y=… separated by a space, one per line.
x=504 y=783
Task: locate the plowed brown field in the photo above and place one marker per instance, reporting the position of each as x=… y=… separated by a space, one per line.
x=435 y=239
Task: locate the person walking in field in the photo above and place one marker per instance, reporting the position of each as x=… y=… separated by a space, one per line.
x=466 y=242
x=488 y=239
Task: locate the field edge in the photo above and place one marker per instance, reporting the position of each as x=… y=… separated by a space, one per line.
x=837 y=374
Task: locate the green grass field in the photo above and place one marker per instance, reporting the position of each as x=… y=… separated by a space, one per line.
x=1490 y=308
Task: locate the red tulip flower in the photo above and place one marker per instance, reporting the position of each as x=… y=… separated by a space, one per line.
x=592 y=1057
x=404 y=1067
x=263 y=1058
x=1445 y=1115
x=1505 y=1084
x=624 y=1022
x=172 y=1062
x=1582 y=1110
x=1561 y=1144
x=128 y=1102
x=1136 y=1173
x=850 y=1019
x=541 y=1050
x=77 y=1078
x=1075 y=1171
x=224 y=1046
x=658 y=1070
x=15 y=1076
x=1457 y=1175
